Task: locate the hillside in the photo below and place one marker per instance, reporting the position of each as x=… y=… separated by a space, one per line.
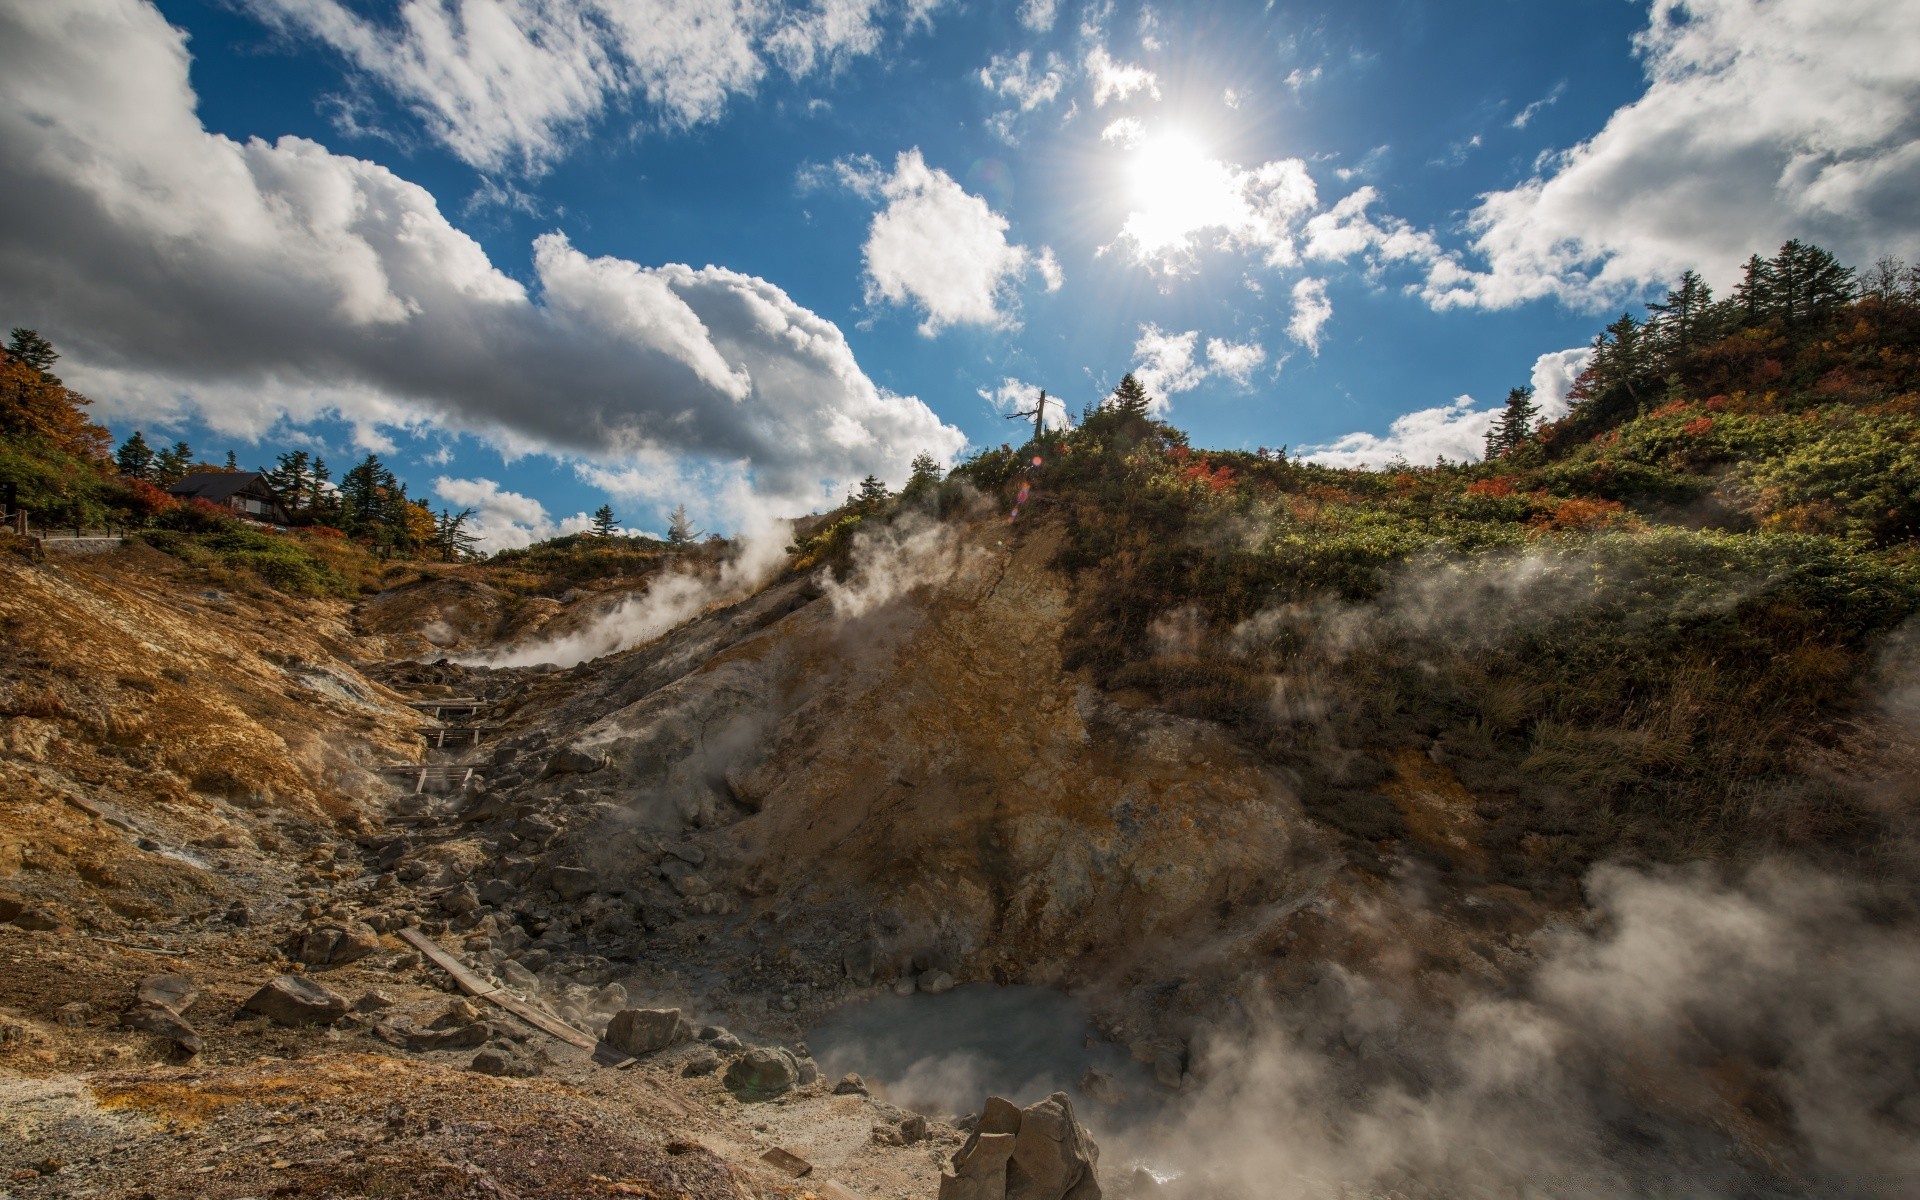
x=1441 y=830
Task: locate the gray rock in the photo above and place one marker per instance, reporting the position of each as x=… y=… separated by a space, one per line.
x=859 y=963
x=38 y=919
x=572 y=882
x=647 y=1030
x=498 y=893
x=762 y=1072
x=461 y=901
x=372 y=1002
x=460 y=1037
x=570 y=760
x=161 y=1020
x=1101 y=1087
x=331 y=943
x=850 y=1085
x=1037 y=1153
x=169 y=991
x=73 y=1015
x=686 y=852
x=701 y=1062
x=294 y=1000
x=935 y=982
x=683 y=878
x=519 y=977
x=913 y=1128
x=1168 y=1069
x=502 y=1063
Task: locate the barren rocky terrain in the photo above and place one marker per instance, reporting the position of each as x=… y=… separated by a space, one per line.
x=222 y=895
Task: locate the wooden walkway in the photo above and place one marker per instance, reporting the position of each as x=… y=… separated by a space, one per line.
x=432 y=777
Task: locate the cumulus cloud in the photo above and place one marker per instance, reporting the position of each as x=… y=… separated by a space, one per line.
x=1456 y=431
x=1012 y=396
x=1182 y=200
x=255 y=282
x=1311 y=311
x=504 y=85
x=943 y=250
x=1347 y=229
x=1762 y=120
x=1018 y=79
x=504 y=520
x=1038 y=15
x=1110 y=79
x=1169 y=363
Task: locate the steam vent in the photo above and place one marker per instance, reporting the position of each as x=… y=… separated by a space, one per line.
x=915 y=600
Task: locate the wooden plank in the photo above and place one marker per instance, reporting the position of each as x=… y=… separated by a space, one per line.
x=789 y=1162
x=474 y=985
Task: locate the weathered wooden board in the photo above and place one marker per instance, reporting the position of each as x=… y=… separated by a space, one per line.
x=474 y=985
x=787 y=1161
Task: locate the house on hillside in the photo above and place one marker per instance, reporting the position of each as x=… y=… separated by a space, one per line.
x=245 y=492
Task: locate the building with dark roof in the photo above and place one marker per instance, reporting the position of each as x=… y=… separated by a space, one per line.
x=245 y=492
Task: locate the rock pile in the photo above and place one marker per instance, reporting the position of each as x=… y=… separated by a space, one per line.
x=1040 y=1152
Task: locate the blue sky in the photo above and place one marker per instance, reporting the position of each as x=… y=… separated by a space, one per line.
x=738 y=253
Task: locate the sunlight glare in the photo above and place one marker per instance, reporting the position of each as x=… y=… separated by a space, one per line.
x=1175 y=188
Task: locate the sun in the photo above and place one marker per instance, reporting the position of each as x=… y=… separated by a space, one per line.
x=1176 y=187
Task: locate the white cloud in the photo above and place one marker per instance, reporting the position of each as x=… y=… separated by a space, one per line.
x=1525 y=116
x=252 y=283
x=1049 y=268
x=1181 y=199
x=1111 y=79
x=504 y=520
x=1038 y=15
x=1014 y=396
x=505 y=83
x=1230 y=98
x=1456 y=431
x=1028 y=86
x=1236 y=360
x=1761 y=121
x=1311 y=311
x=1298 y=79
x=1124 y=132
x=1169 y=363
x=1345 y=230
x=1553 y=376
x=945 y=251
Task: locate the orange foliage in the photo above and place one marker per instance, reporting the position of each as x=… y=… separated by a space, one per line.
x=30 y=406
x=1498 y=486
x=1579 y=512
x=1697 y=426
x=1672 y=408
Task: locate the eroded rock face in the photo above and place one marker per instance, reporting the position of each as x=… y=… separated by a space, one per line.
x=294 y=1000
x=647 y=1030
x=1040 y=1152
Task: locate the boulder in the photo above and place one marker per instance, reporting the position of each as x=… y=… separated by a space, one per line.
x=39 y=919
x=858 y=962
x=935 y=982
x=1040 y=1152
x=850 y=1085
x=161 y=1020
x=572 y=882
x=570 y=760
x=504 y=1064
x=332 y=943
x=1102 y=1087
x=701 y=1062
x=646 y=1030
x=170 y=991
x=293 y=1000
x=762 y=1072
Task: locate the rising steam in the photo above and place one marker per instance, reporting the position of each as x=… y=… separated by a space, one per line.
x=672 y=598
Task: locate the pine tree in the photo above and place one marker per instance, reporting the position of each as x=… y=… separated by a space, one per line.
x=680 y=530
x=292 y=478
x=1684 y=313
x=1810 y=283
x=924 y=480
x=450 y=537
x=173 y=464
x=35 y=351
x=1129 y=399
x=363 y=497
x=1754 y=292
x=135 y=458
x=604 y=522
x=873 y=494
x=1513 y=426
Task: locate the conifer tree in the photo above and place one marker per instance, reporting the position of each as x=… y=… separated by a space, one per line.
x=1754 y=293
x=604 y=522
x=35 y=351
x=1129 y=399
x=173 y=464
x=450 y=537
x=293 y=478
x=680 y=530
x=135 y=458
x=1683 y=314
x=1513 y=426
x=873 y=494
